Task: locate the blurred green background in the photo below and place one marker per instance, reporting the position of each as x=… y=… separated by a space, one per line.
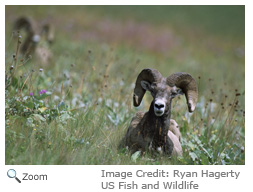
x=223 y=20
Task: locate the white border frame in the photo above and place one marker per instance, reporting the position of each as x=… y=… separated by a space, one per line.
x=88 y=177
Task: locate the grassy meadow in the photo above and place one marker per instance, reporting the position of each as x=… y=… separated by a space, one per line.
x=77 y=107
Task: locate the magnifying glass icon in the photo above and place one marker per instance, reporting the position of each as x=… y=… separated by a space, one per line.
x=11 y=173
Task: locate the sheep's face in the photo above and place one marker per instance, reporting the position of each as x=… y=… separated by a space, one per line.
x=162 y=95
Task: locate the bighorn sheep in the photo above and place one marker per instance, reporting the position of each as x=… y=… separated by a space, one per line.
x=154 y=129
x=35 y=31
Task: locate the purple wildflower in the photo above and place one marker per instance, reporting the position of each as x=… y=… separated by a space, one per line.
x=31 y=94
x=42 y=91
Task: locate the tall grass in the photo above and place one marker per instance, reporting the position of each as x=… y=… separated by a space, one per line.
x=76 y=109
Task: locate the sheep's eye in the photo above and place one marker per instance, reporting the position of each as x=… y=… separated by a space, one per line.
x=173 y=94
x=153 y=92
x=152 y=87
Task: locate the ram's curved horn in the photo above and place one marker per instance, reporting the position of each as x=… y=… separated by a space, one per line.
x=24 y=23
x=188 y=85
x=150 y=75
x=30 y=27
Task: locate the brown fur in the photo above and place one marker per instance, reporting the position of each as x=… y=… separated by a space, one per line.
x=154 y=129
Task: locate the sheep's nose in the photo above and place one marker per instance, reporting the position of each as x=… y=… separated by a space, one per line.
x=159 y=105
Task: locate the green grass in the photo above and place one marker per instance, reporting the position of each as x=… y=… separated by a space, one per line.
x=89 y=82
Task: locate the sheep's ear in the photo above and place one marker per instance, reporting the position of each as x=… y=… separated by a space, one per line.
x=146 y=85
x=177 y=91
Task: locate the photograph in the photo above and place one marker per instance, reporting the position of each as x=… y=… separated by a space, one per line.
x=124 y=85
